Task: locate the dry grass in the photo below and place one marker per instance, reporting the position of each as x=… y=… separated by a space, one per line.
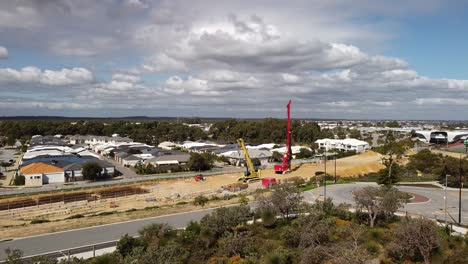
x=25 y=229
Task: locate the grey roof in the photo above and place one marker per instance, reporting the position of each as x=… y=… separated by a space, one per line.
x=78 y=166
x=179 y=158
x=122 y=154
x=253 y=153
x=73 y=166
x=132 y=157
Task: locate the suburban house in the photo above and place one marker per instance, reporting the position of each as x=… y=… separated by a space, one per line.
x=178 y=159
x=39 y=173
x=168 y=145
x=294 y=150
x=92 y=140
x=131 y=160
x=73 y=173
x=347 y=144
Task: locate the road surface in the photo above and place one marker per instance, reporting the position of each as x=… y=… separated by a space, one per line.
x=340 y=193
x=434 y=208
x=93 y=235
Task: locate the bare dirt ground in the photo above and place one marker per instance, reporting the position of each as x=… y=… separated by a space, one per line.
x=160 y=193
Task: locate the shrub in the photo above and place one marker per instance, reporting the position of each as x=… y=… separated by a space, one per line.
x=39 y=221
x=200 y=200
x=181 y=203
x=105 y=213
x=76 y=216
x=372 y=247
x=131 y=210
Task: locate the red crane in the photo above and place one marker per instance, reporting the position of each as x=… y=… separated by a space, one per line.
x=286 y=164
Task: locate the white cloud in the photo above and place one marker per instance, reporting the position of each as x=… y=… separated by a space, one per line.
x=34 y=75
x=3 y=53
x=441 y=101
x=228 y=59
x=122 y=77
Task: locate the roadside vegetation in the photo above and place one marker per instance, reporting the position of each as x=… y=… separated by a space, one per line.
x=284 y=229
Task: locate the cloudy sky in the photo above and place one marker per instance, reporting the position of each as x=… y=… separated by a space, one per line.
x=373 y=59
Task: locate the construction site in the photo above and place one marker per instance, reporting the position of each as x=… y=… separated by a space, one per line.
x=20 y=211
x=71 y=206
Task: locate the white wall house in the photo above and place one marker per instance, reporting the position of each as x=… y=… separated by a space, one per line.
x=347 y=144
x=131 y=161
x=39 y=173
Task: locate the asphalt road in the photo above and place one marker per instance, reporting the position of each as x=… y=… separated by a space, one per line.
x=340 y=193
x=93 y=235
x=434 y=208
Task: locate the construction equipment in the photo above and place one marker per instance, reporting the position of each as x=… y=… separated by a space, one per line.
x=251 y=173
x=199 y=177
x=285 y=166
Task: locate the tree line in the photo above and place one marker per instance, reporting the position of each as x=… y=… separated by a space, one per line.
x=147 y=132
x=267 y=131
x=260 y=131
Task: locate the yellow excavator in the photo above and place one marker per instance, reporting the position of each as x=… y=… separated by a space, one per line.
x=251 y=174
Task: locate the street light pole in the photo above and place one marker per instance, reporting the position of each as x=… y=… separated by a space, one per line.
x=445 y=200
x=325 y=178
x=460 y=191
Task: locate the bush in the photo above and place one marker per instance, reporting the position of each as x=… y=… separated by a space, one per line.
x=39 y=221
x=131 y=210
x=372 y=247
x=76 y=216
x=181 y=203
x=200 y=200
x=105 y=213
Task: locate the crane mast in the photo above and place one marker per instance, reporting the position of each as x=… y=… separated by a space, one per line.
x=286 y=161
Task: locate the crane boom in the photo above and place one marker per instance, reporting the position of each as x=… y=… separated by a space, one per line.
x=251 y=172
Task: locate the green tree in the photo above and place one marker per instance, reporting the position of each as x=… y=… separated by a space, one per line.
x=392 y=153
x=284 y=200
x=19 y=180
x=304 y=154
x=199 y=162
x=379 y=200
x=426 y=162
x=276 y=156
x=91 y=171
x=354 y=133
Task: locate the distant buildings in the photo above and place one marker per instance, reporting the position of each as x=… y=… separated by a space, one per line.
x=347 y=144
x=441 y=136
